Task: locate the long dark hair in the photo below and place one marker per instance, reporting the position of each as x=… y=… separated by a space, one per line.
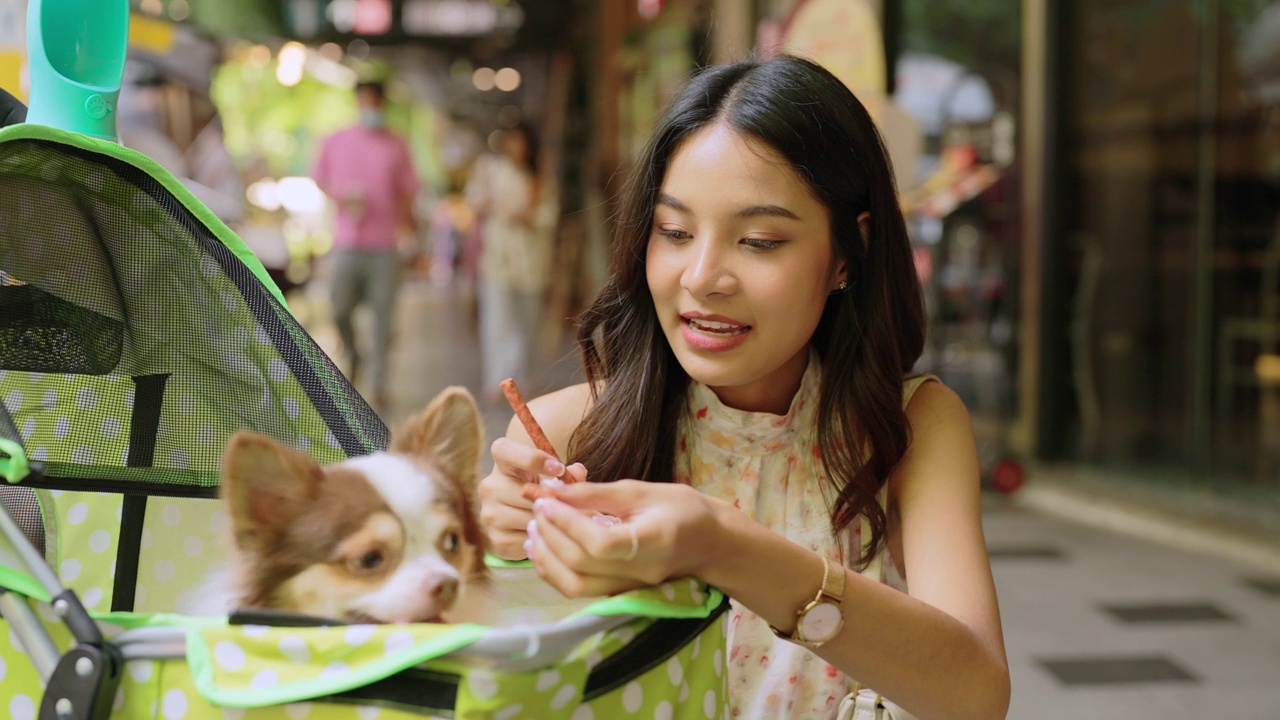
x=869 y=335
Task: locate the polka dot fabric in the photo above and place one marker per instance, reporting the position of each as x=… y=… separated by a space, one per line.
x=157 y=690
x=183 y=543
x=257 y=665
x=259 y=672
x=554 y=692
x=84 y=552
x=19 y=683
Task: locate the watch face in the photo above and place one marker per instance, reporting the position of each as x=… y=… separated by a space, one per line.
x=821 y=622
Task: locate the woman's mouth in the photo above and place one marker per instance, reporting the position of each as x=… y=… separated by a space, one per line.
x=713 y=335
x=716 y=327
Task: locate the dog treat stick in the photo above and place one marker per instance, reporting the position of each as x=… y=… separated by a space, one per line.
x=533 y=490
x=531 y=426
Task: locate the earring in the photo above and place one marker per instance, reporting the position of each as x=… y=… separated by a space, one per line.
x=844 y=285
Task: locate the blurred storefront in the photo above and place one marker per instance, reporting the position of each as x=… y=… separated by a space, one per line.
x=1155 y=280
x=945 y=96
x=956 y=72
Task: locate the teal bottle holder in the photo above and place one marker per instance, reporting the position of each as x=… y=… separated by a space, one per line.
x=76 y=52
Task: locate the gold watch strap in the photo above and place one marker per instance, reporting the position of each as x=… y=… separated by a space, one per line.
x=833 y=580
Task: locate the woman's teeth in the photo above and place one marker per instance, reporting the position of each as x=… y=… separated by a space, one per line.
x=712 y=326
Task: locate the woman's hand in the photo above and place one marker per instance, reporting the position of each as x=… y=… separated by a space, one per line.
x=675 y=535
x=504 y=512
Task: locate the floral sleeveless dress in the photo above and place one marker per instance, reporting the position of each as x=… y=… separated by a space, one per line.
x=768 y=466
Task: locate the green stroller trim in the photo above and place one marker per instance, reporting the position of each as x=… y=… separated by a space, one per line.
x=13 y=461
x=23 y=584
x=14 y=464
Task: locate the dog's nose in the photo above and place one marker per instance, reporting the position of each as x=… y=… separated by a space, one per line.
x=442 y=591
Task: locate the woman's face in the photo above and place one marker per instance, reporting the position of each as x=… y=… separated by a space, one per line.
x=740 y=264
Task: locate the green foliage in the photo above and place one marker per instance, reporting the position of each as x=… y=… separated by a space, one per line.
x=233 y=18
x=979 y=34
x=277 y=125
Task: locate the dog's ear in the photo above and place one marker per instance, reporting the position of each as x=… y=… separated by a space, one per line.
x=450 y=433
x=265 y=485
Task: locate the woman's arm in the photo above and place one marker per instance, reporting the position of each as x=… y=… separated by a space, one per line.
x=937 y=652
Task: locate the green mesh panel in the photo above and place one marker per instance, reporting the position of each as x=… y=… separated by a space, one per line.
x=111 y=271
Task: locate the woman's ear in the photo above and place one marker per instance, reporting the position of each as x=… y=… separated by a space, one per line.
x=864 y=227
x=841 y=276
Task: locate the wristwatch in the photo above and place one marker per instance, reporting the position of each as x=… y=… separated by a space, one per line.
x=821 y=619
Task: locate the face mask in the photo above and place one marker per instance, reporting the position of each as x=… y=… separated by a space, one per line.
x=372 y=118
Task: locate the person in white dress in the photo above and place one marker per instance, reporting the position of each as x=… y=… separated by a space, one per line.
x=516 y=220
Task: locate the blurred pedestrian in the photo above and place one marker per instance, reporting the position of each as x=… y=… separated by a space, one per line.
x=367 y=170
x=517 y=220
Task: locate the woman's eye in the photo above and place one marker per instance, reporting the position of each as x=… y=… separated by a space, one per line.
x=673 y=233
x=370 y=560
x=761 y=243
x=450 y=542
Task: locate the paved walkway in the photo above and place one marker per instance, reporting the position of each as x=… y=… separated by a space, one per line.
x=1098 y=624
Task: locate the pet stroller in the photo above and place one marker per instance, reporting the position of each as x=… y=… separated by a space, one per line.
x=136 y=334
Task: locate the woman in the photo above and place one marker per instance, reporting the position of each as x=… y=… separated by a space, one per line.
x=751 y=403
x=515 y=256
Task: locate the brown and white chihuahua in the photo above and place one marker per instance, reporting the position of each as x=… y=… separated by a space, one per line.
x=390 y=537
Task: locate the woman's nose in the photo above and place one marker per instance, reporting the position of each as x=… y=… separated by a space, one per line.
x=706 y=272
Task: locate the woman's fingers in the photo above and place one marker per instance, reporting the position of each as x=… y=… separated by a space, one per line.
x=504 y=511
x=523 y=462
x=508 y=545
x=576 y=473
x=497 y=517
x=615 y=498
x=505 y=527
x=585 y=543
x=569 y=581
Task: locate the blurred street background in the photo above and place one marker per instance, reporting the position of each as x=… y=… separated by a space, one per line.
x=1093 y=193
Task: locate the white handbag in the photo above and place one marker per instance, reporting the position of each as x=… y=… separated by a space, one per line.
x=867 y=704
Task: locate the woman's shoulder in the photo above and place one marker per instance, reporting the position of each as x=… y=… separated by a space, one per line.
x=558 y=413
x=927 y=400
x=912 y=384
x=941 y=437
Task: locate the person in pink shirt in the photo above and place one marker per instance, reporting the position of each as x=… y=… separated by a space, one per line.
x=367 y=170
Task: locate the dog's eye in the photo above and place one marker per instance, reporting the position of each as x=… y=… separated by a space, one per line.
x=450 y=542
x=370 y=560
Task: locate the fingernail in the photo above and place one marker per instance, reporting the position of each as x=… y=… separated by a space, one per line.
x=544 y=507
x=532 y=529
x=553 y=467
x=528 y=549
x=551 y=482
